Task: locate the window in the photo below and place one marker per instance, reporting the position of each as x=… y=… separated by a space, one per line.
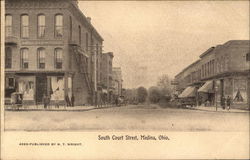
x=8 y=25
x=58 y=25
x=96 y=48
x=87 y=41
x=80 y=35
x=10 y=82
x=248 y=56
x=8 y=57
x=70 y=28
x=58 y=58
x=41 y=26
x=24 y=26
x=24 y=58
x=41 y=58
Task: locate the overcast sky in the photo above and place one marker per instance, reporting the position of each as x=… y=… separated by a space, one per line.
x=164 y=36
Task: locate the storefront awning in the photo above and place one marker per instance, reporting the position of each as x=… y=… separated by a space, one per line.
x=188 y=92
x=207 y=87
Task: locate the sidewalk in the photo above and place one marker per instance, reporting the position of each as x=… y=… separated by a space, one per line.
x=219 y=109
x=53 y=108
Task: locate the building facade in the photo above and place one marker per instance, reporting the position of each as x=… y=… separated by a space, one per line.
x=117 y=80
x=106 y=76
x=221 y=71
x=51 y=49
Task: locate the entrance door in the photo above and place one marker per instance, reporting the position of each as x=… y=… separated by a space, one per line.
x=41 y=88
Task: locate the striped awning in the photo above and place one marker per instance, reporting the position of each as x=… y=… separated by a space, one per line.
x=207 y=87
x=188 y=92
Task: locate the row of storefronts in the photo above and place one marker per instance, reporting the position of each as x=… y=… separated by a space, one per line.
x=232 y=83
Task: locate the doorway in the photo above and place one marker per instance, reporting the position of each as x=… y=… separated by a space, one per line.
x=41 y=88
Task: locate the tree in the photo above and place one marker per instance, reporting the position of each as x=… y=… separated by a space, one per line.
x=142 y=94
x=164 y=83
x=154 y=94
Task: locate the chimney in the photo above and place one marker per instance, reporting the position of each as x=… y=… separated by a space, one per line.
x=89 y=19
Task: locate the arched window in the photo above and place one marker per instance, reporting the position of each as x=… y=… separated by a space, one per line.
x=24 y=26
x=41 y=25
x=70 y=28
x=58 y=25
x=8 y=57
x=80 y=35
x=24 y=58
x=41 y=58
x=58 y=58
x=8 y=25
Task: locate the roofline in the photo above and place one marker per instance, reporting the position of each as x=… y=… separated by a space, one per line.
x=90 y=26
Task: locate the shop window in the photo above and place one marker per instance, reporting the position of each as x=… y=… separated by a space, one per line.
x=58 y=25
x=24 y=58
x=26 y=86
x=8 y=57
x=8 y=25
x=58 y=58
x=24 y=26
x=41 y=58
x=41 y=25
x=57 y=88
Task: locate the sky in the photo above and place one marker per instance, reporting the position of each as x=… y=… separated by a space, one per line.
x=152 y=38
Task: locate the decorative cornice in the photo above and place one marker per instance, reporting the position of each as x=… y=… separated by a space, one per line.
x=34 y=4
x=39 y=42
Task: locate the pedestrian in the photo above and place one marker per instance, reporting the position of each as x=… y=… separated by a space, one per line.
x=228 y=102
x=72 y=100
x=67 y=100
x=45 y=101
x=223 y=101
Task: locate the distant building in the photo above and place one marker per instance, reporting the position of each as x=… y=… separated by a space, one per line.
x=51 y=48
x=221 y=71
x=106 y=75
x=117 y=80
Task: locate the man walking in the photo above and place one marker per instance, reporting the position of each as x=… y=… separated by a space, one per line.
x=228 y=102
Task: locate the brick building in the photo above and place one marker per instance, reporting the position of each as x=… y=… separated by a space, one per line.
x=106 y=75
x=117 y=81
x=51 y=48
x=221 y=71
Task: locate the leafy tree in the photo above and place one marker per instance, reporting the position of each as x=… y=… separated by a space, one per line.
x=154 y=94
x=142 y=94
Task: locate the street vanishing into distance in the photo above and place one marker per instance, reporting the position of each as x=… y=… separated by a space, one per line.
x=127 y=118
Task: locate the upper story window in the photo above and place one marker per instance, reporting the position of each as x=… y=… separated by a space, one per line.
x=248 y=56
x=41 y=26
x=41 y=58
x=70 y=28
x=87 y=41
x=8 y=57
x=8 y=25
x=24 y=58
x=80 y=35
x=58 y=25
x=25 y=26
x=58 y=58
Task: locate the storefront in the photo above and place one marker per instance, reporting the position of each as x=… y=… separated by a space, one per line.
x=34 y=86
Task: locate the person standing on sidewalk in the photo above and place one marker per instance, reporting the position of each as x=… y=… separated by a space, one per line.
x=72 y=100
x=228 y=102
x=223 y=101
x=45 y=101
